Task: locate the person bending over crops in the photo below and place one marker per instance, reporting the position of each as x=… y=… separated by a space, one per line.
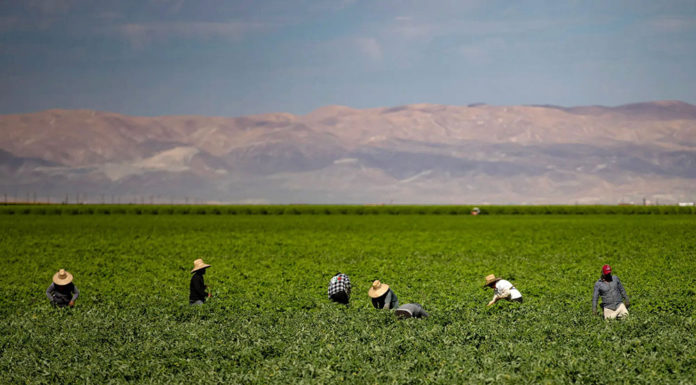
x=611 y=290
x=382 y=296
x=411 y=310
x=198 y=295
x=62 y=292
x=502 y=289
x=339 y=288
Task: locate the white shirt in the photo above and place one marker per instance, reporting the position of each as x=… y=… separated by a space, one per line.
x=504 y=288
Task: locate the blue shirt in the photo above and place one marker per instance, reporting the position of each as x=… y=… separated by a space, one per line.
x=612 y=293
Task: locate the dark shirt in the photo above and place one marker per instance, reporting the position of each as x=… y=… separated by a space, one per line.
x=62 y=294
x=197 y=288
x=415 y=309
x=611 y=292
x=388 y=300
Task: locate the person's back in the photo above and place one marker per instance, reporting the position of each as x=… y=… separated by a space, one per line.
x=411 y=310
x=62 y=291
x=197 y=289
x=502 y=289
x=505 y=289
x=339 y=288
x=197 y=292
x=382 y=296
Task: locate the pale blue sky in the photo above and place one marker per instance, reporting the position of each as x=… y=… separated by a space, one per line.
x=231 y=58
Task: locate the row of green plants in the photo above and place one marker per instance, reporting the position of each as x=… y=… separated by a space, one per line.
x=269 y=320
x=101 y=209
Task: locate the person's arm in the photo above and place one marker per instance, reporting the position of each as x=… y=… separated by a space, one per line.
x=387 y=300
x=499 y=294
x=595 y=296
x=494 y=300
x=76 y=293
x=49 y=291
x=622 y=291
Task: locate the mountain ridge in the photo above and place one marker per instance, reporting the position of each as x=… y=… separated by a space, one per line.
x=418 y=153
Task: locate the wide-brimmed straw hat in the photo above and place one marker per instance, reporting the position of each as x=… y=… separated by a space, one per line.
x=378 y=289
x=62 y=277
x=199 y=264
x=491 y=278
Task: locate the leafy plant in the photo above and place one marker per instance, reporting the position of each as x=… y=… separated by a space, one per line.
x=269 y=320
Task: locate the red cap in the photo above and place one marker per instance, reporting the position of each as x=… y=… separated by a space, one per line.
x=606 y=269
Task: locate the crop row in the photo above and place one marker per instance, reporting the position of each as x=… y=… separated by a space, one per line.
x=97 y=209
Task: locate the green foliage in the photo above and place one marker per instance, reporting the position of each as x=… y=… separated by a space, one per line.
x=270 y=321
x=106 y=209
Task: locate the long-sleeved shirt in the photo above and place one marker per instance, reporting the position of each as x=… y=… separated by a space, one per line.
x=197 y=289
x=62 y=294
x=504 y=289
x=388 y=300
x=339 y=283
x=415 y=309
x=612 y=293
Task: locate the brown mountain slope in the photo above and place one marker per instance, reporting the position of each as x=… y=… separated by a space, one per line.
x=414 y=153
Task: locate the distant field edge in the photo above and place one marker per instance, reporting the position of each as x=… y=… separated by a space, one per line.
x=123 y=209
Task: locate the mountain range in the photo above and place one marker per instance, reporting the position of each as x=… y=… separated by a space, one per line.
x=420 y=153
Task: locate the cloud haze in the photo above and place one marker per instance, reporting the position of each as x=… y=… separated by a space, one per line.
x=239 y=57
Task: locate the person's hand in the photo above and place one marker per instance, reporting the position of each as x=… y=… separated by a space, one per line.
x=210 y=295
x=71 y=304
x=628 y=304
x=490 y=303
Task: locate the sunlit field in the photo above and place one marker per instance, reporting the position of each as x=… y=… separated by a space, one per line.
x=269 y=320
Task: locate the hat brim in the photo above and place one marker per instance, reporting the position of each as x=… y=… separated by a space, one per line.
x=491 y=282
x=200 y=268
x=64 y=281
x=376 y=293
x=403 y=313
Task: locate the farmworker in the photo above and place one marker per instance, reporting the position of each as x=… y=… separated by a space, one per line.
x=198 y=294
x=62 y=292
x=382 y=296
x=339 y=288
x=411 y=310
x=611 y=290
x=502 y=290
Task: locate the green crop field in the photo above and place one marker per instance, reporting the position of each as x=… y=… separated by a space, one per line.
x=269 y=320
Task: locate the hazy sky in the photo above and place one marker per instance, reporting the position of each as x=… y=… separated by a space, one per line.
x=230 y=58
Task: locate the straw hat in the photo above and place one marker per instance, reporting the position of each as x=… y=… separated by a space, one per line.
x=199 y=264
x=62 y=277
x=491 y=279
x=378 y=289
